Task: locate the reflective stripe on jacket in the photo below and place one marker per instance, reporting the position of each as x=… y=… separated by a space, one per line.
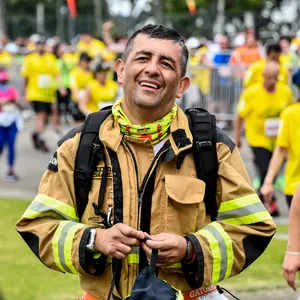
x=51 y=227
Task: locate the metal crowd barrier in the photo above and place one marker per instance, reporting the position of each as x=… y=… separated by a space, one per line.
x=216 y=89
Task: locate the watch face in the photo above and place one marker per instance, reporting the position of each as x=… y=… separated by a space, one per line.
x=91 y=244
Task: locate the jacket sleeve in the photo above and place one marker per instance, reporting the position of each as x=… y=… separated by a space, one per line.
x=242 y=230
x=50 y=226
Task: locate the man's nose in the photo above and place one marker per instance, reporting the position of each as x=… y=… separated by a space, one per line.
x=152 y=67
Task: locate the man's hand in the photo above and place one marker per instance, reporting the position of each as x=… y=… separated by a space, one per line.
x=171 y=248
x=267 y=191
x=291 y=266
x=118 y=240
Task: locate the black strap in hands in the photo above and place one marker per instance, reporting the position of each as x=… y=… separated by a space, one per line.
x=153 y=261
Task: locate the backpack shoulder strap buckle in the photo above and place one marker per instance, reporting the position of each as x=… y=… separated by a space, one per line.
x=204 y=145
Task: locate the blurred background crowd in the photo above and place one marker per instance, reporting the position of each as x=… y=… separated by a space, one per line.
x=57 y=66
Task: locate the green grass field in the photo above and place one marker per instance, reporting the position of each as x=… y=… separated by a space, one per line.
x=23 y=277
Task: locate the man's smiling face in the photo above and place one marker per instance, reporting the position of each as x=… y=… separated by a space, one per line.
x=152 y=75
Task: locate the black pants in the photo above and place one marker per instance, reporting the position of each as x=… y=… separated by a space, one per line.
x=289 y=200
x=262 y=159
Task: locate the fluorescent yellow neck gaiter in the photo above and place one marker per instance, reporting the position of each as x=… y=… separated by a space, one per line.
x=155 y=131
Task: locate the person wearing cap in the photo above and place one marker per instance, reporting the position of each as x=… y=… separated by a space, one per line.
x=79 y=79
x=40 y=73
x=100 y=92
x=10 y=122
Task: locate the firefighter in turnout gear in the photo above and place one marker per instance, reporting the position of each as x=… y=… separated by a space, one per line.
x=145 y=193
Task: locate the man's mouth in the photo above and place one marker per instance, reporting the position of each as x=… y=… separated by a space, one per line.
x=150 y=85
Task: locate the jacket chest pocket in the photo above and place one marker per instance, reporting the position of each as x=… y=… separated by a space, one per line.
x=184 y=203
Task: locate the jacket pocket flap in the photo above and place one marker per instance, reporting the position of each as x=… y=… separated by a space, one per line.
x=185 y=190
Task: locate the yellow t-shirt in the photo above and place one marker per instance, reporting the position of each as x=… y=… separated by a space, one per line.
x=258 y=107
x=6 y=59
x=79 y=79
x=101 y=96
x=254 y=74
x=40 y=71
x=289 y=138
x=71 y=58
x=287 y=60
x=93 y=48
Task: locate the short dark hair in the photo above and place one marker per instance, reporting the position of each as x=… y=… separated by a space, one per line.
x=285 y=37
x=84 y=57
x=101 y=68
x=275 y=47
x=160 y=32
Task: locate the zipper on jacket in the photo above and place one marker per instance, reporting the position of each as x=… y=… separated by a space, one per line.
x=141 y=188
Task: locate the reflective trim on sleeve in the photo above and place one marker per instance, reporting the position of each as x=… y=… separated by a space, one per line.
x=244 y=210
x=62 y=245
x=220 y=245
x=45 y=206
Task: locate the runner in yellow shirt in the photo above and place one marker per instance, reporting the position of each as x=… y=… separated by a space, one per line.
x=6 y=58
x=254 y=74
x=71 y=56
x=90 y=45
x=40 y=75
x=100 y=92
x=287 y=145
x=79 y=78
x=260 y=107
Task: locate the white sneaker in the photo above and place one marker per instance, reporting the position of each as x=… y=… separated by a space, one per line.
x=11 y=177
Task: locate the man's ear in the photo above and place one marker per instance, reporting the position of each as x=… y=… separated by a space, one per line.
x=183 y=86
x=119 y=66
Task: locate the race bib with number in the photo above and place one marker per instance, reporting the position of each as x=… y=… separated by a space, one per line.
x=44 y=81
x=271 y=127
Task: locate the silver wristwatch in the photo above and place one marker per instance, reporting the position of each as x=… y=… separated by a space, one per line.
x=91 y=244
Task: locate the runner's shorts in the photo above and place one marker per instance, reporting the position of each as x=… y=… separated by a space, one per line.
x=39 y=106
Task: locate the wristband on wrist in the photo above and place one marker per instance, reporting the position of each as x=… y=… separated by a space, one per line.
x=191 y=260
x=292 y=253
x=188 y=247
x=190 y=254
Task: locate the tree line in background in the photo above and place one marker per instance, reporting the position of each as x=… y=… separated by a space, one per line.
x=18 y=17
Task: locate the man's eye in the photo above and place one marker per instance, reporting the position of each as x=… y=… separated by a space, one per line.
x=166 y=64
x=141 y=58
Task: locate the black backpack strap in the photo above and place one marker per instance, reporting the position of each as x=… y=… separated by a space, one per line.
x=90 y=151
x=203 y=127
